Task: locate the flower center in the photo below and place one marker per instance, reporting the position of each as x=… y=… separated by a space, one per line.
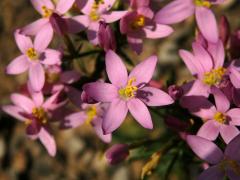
x=94 y=15
x=139 y=22
x=32 y=54
x=203 y=3
x=46 y=12
x=214 y=77
x=40 y=114
x=91 y=113
x=128 y=91
x=230 y=163
x=220 y=117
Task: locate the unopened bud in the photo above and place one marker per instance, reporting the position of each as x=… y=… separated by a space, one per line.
x=117 y=153
x=175 y=92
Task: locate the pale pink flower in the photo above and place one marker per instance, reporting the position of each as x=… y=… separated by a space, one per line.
x=223 y=164
x=179 y=10
x=34 y=56
x=127 y=92
x=36 y=114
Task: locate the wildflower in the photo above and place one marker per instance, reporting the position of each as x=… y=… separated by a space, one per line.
x=223 y=164
x=34 y=56
x=127 y=92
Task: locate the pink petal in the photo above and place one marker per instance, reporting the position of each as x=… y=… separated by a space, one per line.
x=154 y=97
x=146 y=11
x=203 y=108
x=92 y=33
x=207 y=24
x=235 y=77
x=113 y=16
x=143 y=72
x=114 y=116
x=36 y=76
x=221 y=101
x=175 y=12
x=234 y=114
x=77 y=23
x=64 y=5
x=35 y=27
x=159 y=31
x=74 y=120
x=51 y=57
x=19 y=65
x=14 y=111
x=116 y=70
x=23 y=102
x=140 y=112
x=232 y=149
x=97 y=125
x=102 y=92
x=38 y=4
x=217 y=52
x=196 y=88
x=203 y=57
x=23 y=42
x=136 y=44
x=48 y=141
x=38 y=98
x=209 y=130
x=43 y=38
x=213 y=173
x=51 y=102
x=232 y=174
x=205 y=149
x=228 y=132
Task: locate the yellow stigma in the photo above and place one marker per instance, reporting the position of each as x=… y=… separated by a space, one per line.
x=233 y=165
x=91 y=113
x=220 y=117
x=203 y=3
x=129 y=91
x=40 y=114
x=139 y=22
x=94 y=15
x=32 y=54
x=46 y=12
x=214 y=77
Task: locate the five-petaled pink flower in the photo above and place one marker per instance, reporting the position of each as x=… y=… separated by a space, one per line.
x=223 y=164
x=36 y=114
x=178 y=10
x=138 y=24
x=218 y=119
x=34 y=56
x=127 y=92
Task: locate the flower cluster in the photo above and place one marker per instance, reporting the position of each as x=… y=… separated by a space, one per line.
x=58 y=94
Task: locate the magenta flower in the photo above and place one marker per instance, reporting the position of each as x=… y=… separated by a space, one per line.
x=139 y=24
x=179 y=10
x=94 y=12
x=91 y=114
x=34 y=56
x=51 y=18
x=127 y=92
x=224 y=164
x=35 y=113
x=218 y=119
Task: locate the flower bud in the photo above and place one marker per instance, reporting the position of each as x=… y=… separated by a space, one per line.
x=87 y=99
x=175 y=92
x=224 y=28
x=59 y=24
x=117 y=153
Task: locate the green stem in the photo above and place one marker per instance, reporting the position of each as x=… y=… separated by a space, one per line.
x=84 y=54
x=70 y=45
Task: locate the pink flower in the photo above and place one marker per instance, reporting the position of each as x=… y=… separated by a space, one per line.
x=224 y=164
x=51 y=18
x=127 y=92
x=139 y=24
x=34 y=56
x=35 y=113
x=218 y=119
x=91 y=114
x=179 y=10
x=94 y=12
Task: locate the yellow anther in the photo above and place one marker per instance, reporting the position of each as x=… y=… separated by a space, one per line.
x=91 y=114
x=46 y=12
x=40 y=115
x=32 y=54
x=94 y=15
x=203 y=3
x=214 y=77
x=129 y=91
x=139 y=22
x=220 y=117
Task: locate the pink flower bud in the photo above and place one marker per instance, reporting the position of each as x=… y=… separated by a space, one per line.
x=175 y=91
x=106 y=37
x=117 y=153
x=87 y=99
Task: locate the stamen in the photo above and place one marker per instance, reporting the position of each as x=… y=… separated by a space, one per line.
x=214 y=77
x=32 y=54
x=94 y=15
x=129 y=91
x=220 y=117
x=40 y=114
x=139 y=22
x=46 y=12
x=91 y=113
x=204 y=3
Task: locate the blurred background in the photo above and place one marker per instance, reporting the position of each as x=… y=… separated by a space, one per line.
x=80 y=153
